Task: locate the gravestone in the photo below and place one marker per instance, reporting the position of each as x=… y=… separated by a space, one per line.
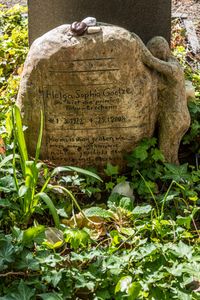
x=101 y=94
x=147 y=18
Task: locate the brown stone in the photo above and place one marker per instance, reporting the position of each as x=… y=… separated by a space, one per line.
x=101 y=94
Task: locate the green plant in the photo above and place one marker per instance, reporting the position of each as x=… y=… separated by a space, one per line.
x=27 y=187
x=13 y=50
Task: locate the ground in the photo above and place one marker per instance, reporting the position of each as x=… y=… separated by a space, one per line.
x=191 y=8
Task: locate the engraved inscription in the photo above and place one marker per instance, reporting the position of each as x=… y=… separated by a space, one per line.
x=88 y=114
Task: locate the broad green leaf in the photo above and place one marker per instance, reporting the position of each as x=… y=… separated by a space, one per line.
x=147 y=250
x=31 y=233
x=53 y=246
x=27 y=261
x=103 y=294
x=126 y=203
x=98 y=212
x=117 y=200
x=183 y=296
x=142 y=210
x=5 y=203
x=109 y=185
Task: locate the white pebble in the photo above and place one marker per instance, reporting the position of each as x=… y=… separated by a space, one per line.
x=90 y=21
x=94 y=29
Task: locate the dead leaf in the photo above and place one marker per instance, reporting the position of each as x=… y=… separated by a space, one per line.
x=2 y=147
x=95 y=224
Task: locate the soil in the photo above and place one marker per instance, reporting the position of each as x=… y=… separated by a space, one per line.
x=10 y=3
x=191 y=8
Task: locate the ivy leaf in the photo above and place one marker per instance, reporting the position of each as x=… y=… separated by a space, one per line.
x=140 y=152
x=27 y=261
x=157 y=155
x=111 y=170
x=53 y=277
x=51 y=296
x=23 y=292
x=148 y=250
x=177 y=173
x=110 y=185
x=6 y=254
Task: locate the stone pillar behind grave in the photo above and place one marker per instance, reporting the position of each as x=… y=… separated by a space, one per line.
x=147 y=18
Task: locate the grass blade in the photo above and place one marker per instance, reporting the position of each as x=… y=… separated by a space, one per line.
x=51 y=207
x=20 y=135
x=76 y=169
x=39 y=142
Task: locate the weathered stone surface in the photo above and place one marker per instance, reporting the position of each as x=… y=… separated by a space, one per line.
x=173 y=114
x=99 y=99
x=101 y=94
x=147 y=18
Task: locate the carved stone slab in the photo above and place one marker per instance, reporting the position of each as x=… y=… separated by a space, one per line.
x=99 y=99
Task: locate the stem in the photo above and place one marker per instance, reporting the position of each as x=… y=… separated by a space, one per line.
x=74 y=201
x=166 y=195
x=157 y=207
